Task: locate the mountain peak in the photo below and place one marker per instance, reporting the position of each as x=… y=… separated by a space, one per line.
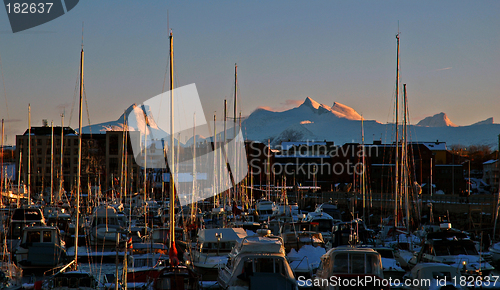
x=345 y=111
x=484 y=122
x=438 y=120
x=308 y=102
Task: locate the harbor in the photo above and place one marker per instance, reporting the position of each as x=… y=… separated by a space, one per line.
x=236 y=164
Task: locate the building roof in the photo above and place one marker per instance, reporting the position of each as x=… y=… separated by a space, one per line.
x=288 y=145
x=47 y=131
x=435 y=146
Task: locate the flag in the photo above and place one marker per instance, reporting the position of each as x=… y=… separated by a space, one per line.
x=236 y=210
x=172 y=255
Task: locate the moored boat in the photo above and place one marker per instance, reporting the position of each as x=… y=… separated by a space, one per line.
x=452 y=247
x=41 y=248
x=257 y=262
x=342 y=265
x=212 y=249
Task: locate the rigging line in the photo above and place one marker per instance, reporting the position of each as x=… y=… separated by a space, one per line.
x=167 y=70
x=87 y=107
x=74 y=97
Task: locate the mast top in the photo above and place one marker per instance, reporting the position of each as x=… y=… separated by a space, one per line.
x=82 y=34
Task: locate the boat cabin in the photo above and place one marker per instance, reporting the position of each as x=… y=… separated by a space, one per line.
x=40 y=247
x=347 y=261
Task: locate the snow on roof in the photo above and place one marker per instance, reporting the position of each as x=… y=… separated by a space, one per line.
x=435 y=146
x=258 y=244
x=490 y=161
x=226 y=234
x=287 y=145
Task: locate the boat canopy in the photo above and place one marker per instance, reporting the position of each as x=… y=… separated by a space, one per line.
x=226 y=235
x=258 y=244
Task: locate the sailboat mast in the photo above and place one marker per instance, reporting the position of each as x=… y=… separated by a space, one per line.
x=224 y=144
x=52 y=162
x=172 y=166
x=363 y=168
x=405 y=160
x=396 y=179
x=61 y=178
x=78 y=177
x=19 y=179
x=235 y=92
x=194 y=167
x=1 y=166
x=29 y=153
x=235 y=190
x=215 y=160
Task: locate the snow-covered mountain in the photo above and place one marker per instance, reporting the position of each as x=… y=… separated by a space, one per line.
x=344 y=111
x=488 y=121
x=339 y=123
x=438 y=120
x=136 y=121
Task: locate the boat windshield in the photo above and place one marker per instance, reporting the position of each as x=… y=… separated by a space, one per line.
x=454 y=248
x=357 y=263
x=221 y=247
x=325 y=225
x=265 y=265
x=33 y=237
x=47 y=236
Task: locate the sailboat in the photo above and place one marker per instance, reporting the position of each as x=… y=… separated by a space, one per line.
x=75 y=279
x=396 y=226
x=174 y=276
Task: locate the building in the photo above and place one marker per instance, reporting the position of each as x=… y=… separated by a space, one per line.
x=491 y=174
x=54 y=162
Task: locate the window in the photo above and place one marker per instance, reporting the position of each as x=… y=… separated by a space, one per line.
x=264 y=265
x=33 y=237
x=113 y=145
x=113 y=165
x=47 y=236
x=340 y=263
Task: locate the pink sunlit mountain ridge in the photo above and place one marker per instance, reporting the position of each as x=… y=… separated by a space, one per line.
x=339 y=123
x=438 y=120
x=342 y=124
